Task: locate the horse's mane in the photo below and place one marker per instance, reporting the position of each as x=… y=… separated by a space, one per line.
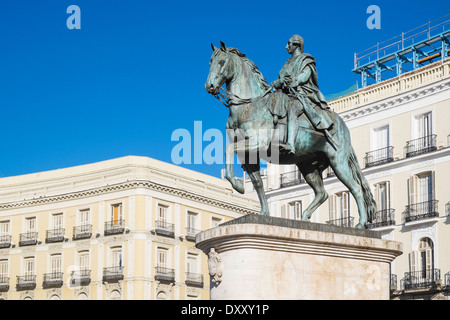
x=253 y=67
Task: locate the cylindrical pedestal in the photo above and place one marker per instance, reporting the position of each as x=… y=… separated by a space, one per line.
x=260 y=258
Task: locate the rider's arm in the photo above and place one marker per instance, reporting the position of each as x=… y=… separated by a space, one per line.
x=302 y=77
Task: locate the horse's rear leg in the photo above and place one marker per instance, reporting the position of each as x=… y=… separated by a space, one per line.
x=344 y=172
x=313 y=177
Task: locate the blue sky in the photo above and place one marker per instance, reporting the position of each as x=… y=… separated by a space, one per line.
x=72 y=97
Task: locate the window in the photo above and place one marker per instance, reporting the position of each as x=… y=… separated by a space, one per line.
x=5 y=237
x=421 y=188
x=162 y=258
x=56 y=264
x=84 y=218
x=423 y=125
x=191 y=221
x=116 y=213
x=380 y=138
x=30 y=225
x=215 y=222
x=292 y=210
x=58 y=224
x=422 y=260
x=162 y=213
x=29 y=268
x=83 y=260
x=383 y=196
x=3 y=271
x=191 y=263
x=116 y=257
x=340 y=205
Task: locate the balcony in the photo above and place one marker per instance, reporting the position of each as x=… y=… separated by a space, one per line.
x=55 y=235
x=289 y=179
x=422 y=210
x=191 y=233
x=27 y=282
x=342 y=222
x=53 y=280
x=112 y=274
x=378 y=157
x=4 y=284
x=447 y=280
x=81 y=277
x=194 y=279
x=114 y=227
x=420 y=146
x=383 y=218
x=164 y=274
x=164 y=228
x=5 y=241
x=82 y=232
x=425 y=279
x=28 y=238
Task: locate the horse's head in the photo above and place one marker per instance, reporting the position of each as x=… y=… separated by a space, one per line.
x=219 y=71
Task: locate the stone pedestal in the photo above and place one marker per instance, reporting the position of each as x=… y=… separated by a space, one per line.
x=257 y=258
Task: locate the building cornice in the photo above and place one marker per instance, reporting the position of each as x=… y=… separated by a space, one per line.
x=128 y=186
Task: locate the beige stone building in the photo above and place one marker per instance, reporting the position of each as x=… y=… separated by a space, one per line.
x=118 y=229
x=400 y=130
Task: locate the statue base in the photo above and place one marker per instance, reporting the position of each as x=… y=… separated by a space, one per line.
x=266 y=258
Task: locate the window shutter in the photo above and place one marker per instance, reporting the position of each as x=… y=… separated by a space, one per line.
x=433 y=184
x=388 y=195
x=412 y=187
x=333 y=207
x=414 y=264
x=346 y=205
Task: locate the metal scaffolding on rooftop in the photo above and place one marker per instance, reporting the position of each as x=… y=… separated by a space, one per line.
x=406 y=52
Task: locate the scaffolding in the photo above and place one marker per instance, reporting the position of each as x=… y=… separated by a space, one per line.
x=406 y=52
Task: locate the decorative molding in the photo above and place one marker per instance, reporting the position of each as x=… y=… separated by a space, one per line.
x=127 y=186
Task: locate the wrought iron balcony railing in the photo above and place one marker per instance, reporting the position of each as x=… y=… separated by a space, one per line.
x=447 y=280
x=378 y=157
x=191 y=233
x=4 y=283
x=420 y=146
x=164 y=274
x=53 y=280
x=164 y=228
x=342 y=222
x=28 y=238
x=81 y=277
x=26 y=282
x=383 y=218
x=422 y=210
x=289 y=179
x=194 y=279
x=55 y=235
x=114 y=227
x=5 y=241
x=424 y=279
x=112 y=274
x=82 y=232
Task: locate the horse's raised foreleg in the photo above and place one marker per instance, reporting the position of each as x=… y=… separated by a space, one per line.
x=255 y=176
x=237 y=184
x=313 y=177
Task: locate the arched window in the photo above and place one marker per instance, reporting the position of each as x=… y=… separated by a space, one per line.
x=426 y=256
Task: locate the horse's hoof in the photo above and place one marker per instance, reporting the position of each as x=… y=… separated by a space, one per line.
x=360 y=226
x=239 y=186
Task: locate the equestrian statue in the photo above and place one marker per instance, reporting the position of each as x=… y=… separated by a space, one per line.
x=287 y=122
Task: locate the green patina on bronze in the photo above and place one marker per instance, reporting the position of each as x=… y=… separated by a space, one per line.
x=291 y=125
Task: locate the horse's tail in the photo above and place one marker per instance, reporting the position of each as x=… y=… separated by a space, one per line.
x=369 y=201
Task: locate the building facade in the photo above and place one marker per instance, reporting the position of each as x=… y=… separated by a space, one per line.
x=400 y=130
x=118 y=229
